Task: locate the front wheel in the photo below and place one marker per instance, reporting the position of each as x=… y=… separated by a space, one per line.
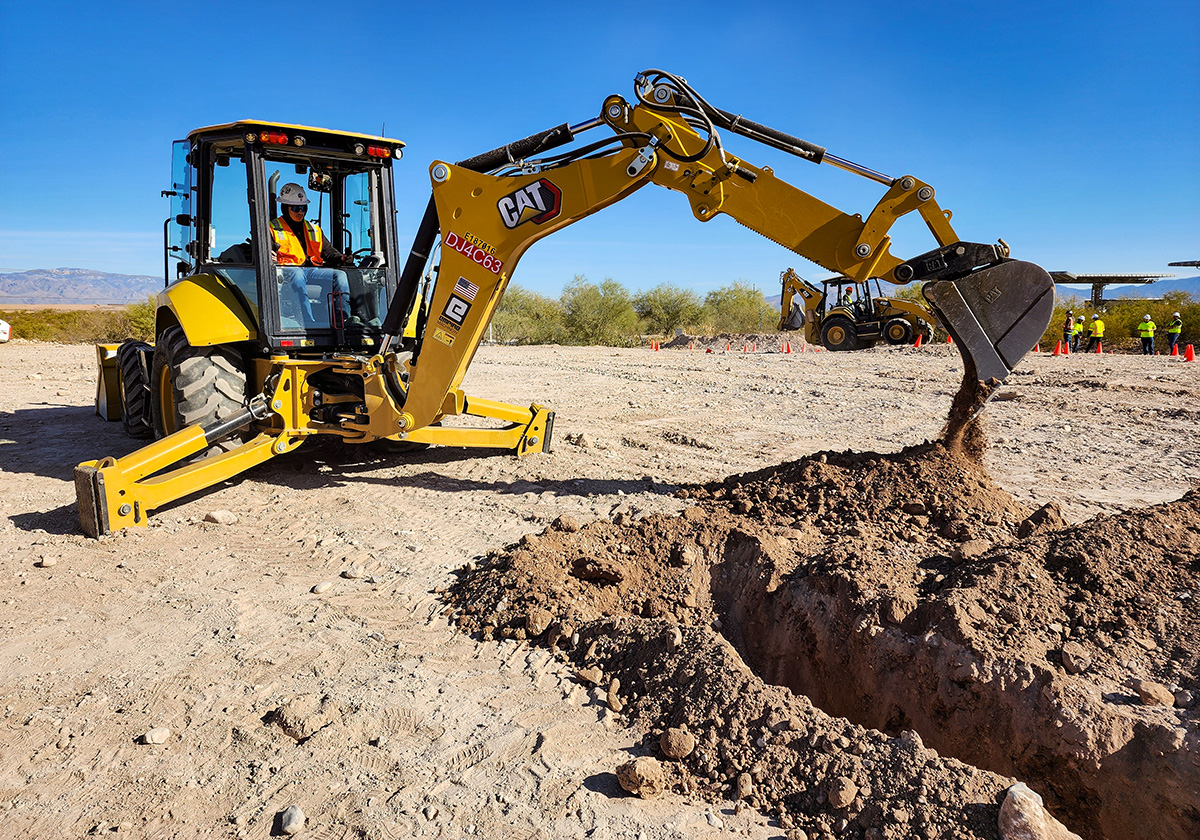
x=195 y=386
x=839 y=334
x=898 y=331
x=135 y=388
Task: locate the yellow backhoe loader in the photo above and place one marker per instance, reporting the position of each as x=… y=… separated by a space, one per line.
x=844 y=315
x=255 y=356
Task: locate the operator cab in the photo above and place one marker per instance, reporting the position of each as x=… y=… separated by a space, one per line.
x=331 y=302
x=860 y=304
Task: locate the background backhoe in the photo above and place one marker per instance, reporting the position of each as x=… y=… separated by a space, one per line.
x=239 y=373
x=843 y=314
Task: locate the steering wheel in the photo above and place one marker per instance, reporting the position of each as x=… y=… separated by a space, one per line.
x=361 y=257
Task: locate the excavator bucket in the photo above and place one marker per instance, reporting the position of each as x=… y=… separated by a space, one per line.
x=996 y=314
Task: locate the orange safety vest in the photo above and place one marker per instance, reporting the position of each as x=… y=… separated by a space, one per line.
x=291 y=252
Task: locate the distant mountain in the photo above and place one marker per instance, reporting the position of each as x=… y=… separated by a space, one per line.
x=75 y=285
x=1157 y=289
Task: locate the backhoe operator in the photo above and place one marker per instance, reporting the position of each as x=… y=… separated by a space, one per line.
x=301 y=250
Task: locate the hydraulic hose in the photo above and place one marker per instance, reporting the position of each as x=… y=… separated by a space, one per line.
x=410 y=278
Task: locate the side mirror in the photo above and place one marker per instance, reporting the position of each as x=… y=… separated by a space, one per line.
x=320 y=182
x=183 y=220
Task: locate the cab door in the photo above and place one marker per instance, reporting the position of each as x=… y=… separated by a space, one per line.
x=179 y=232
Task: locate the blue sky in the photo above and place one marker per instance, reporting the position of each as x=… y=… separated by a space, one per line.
x=1070 y=130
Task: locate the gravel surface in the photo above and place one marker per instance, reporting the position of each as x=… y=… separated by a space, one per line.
x=365 y=706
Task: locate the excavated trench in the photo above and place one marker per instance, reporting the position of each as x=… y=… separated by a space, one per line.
x=1099 y=771
x=907 y=594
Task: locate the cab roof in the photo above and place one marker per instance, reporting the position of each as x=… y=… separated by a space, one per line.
x=259 y=125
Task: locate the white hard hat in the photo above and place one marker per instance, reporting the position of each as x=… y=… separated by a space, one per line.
x=1095 y=317
x=292 y=194
x=1175 y=315
x=1145 y=317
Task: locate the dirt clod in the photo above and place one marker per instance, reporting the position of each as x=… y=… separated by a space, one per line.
x=842 y=791
x=642 y=777
x=1152 y=693
x=537 y=620
x=1075 y=658
x=677 y=743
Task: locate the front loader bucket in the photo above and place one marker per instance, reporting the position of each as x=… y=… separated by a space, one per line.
x=995 y=315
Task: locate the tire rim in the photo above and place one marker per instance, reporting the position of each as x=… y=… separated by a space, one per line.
x=166 y=400
x=836 y=335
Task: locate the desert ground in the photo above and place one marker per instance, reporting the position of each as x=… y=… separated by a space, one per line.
x=405 y=700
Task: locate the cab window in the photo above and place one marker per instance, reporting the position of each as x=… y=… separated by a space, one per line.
x=229 y=233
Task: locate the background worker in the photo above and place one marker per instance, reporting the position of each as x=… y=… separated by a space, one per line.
x=301 y=250
x=1076 y=332
x=1068 y=329
x=1174 y=328
x=1095 y=334
x=1146 y=331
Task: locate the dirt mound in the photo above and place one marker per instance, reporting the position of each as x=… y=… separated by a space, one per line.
x=908 y=594
x=771 y=342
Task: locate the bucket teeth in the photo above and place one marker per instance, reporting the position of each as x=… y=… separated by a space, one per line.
x=996 y=314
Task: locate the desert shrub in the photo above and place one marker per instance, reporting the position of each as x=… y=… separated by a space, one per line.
x=739 y=307
x=525 y=317
x=82 y=326
x=141 y=319
x=666 y=307
x=598 y=314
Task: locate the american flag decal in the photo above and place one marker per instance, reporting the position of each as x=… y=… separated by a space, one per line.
x=465 y=288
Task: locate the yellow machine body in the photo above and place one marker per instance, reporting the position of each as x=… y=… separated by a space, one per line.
x=484 y=215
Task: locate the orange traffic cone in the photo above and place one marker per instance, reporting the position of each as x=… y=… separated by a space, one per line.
x=754 y=347
x=1099 y=348
x=707 y=349
x=1189 y=355
x=1057 y=349
x=949 y=339
x=1066 y=348
x=1174 y=349
x=1037 y=348
x=691 y=345
x=787 y=347
x=728 y=346
x=920 y=336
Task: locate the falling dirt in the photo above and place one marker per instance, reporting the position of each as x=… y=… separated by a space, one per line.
x=963 y=432
x=880 y=643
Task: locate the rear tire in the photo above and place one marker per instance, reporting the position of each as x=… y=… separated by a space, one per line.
x=838 y=333
x=135 y=388
x=195 y=386
x=898 y=331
